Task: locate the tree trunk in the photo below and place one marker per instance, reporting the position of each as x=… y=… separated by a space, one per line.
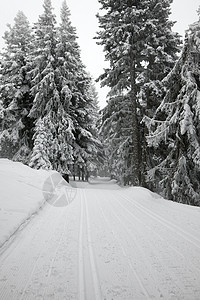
x=79 y=173
x=87 y=175
x=83 y=173
x=135 y=132
x=74 y=173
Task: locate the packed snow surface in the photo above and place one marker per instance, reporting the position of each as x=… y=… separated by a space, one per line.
x=99 y=241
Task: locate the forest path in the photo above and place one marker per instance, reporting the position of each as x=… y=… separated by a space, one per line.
x=108 y=243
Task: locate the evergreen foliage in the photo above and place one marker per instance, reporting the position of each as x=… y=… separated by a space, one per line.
x=16 y=125
x=141 y=48
x=116 y=133
x=82 y=106
x=174 y=129
x=47 y=96
x=51 y=96
x=42 y=143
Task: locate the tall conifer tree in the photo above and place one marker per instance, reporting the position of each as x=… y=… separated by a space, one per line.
x=116 y=134
x=62 y=104
x=132 y=43
x=175 y=127
x=73 y=77
x=16 y=126
x=52 y=98
x=44 y=90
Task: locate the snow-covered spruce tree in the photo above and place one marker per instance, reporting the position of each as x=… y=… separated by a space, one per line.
x=122 y=35
x=161 y=48
x=61 y=95
x=175 y=127
x=42 y=144
x=44 y=89
x=133 y=34
x=82 y=106
x=116 y=133
x=52 y=98
x=87 y=146
x=95 y=148
x=16 y=125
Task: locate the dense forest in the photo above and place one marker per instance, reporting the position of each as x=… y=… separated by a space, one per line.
x=148 y=134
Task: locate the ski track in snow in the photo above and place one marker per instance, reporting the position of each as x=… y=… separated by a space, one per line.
x=108 y=243
x=81 y=255
x=87 y=289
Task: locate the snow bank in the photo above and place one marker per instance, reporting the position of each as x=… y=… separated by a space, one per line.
x=23 y=191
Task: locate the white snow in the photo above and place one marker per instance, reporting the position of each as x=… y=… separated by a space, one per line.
x=108 y=243
x=22 y=192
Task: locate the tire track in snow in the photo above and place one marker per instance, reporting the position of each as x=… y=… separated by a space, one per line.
x=144 y=290
x=96 y=283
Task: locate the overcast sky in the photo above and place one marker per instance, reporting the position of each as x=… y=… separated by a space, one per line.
x=83 y=18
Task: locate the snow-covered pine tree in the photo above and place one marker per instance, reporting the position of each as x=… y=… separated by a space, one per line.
x=61 y=95
x=122 y=35
x=95 y=149
x=72 y=75
x=162 y=44
x=175 y=127
x=134 y=35
x=42 y=143
x=52 y=97
x=64 y=75
x=16 y=125
x=87 y=145
x=116 y=134
x=68 y=51
x=161 y=48
x=44 y=90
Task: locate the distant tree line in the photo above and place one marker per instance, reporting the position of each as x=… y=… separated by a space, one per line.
x=151 y=124
x=48 y=102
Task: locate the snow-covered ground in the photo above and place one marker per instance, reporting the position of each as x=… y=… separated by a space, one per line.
x=99 y=241
x=23 y=191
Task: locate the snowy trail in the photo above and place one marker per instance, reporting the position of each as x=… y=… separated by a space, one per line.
x=108 y=243
x=89 y=286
